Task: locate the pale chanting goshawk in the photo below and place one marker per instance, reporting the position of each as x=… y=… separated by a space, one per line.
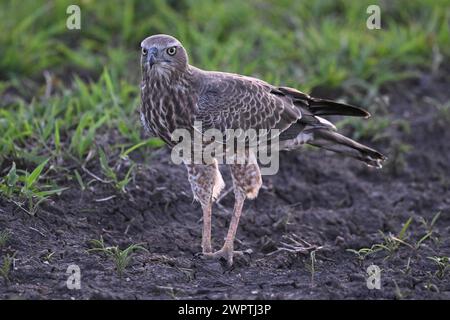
x=175 y=94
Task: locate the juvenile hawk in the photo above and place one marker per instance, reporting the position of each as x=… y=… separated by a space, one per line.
x=175 y=94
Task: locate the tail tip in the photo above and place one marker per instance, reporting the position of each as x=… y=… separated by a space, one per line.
x=377 y=162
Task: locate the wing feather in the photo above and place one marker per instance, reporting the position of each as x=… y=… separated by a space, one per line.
x=229 y=101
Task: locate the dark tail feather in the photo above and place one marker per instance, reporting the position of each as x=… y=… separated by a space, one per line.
x=323 y=107
x=336 y=142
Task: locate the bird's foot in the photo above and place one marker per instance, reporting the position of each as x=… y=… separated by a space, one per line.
x=226 y=254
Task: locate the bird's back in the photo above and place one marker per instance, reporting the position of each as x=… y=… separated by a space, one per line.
x=233 y=101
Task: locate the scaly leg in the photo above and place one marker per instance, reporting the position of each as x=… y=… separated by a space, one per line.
x=206 y=233
x=227 y=250
x=206 y=183
x=247 y=182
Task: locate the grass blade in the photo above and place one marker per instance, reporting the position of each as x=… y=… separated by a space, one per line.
x=34 y=176
x=401 y=235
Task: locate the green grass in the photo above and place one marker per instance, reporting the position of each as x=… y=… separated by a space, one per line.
x=22 y=185
x=392 y=243
x=66 y=94
x=5 y=267
x=121 y=258
x=4 y=238
x=111 y=174
x=442 y=264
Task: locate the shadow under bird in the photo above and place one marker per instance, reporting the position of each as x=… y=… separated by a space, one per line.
x=175 y=94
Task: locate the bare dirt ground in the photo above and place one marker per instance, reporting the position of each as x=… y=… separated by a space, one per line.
x=328 y=201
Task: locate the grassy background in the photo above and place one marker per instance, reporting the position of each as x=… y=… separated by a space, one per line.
x=67 y=94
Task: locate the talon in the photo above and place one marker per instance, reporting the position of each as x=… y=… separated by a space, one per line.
x=227 y=255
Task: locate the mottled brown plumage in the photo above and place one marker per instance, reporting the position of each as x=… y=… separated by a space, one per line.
x=175 y=94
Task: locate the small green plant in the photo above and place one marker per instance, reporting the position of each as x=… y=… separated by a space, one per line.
x=443 y=265
x=109 y=172
x=80 y=180
x=4 y=237
x=24 y=185
x=9 y=182
x=390 y=245
x=392 y=242
x=121 y=258
x=84 y=135
x=47 y=257
x=429 y=226
x=5 y=268
x=151 y=142
x=363 y=253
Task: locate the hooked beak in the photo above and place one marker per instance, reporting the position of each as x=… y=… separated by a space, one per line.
x=151 y=56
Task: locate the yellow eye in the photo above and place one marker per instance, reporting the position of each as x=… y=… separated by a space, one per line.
x=144 y=51
x=171 y=51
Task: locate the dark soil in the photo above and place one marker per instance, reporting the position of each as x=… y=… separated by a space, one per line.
x=326 y=200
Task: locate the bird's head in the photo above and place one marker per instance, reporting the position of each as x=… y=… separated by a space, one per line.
x=163 y=56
